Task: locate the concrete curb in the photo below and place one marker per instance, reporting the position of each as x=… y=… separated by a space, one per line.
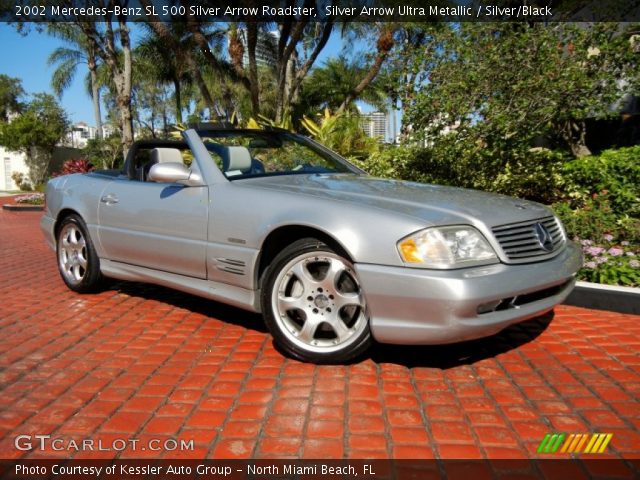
x=605 y=297
x=23 y=208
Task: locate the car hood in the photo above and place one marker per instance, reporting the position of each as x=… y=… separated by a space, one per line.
x=435 y=204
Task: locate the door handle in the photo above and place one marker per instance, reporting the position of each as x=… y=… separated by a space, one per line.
x=109 y=199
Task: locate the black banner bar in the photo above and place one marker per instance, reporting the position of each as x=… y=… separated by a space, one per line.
x=321 y=10
x=263 y=469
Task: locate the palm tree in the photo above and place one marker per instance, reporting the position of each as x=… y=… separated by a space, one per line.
x=180 y=59
x=332 y=84
x=67 y=59
x=384 y=33
x=165 y=65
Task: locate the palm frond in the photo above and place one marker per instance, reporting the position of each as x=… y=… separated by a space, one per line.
x=67 y=32
x=63 y=54
x=63 y=76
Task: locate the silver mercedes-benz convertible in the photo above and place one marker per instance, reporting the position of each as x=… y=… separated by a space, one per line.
x=273 y=222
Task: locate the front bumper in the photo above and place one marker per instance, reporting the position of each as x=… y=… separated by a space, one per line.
x=47 y=226
x=412 y=306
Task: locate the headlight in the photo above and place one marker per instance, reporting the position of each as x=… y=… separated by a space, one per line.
x=446 y=247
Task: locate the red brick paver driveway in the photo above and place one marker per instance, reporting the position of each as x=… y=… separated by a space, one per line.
x=143 y=362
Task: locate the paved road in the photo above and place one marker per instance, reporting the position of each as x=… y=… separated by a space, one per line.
x=143 y=362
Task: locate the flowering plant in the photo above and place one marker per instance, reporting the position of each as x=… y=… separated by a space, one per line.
x=610 y=240
x=609 y=262
x=79 y=165
x=30 y=199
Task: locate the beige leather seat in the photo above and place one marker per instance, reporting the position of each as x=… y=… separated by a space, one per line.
x=161 y=155
x=238 y=160
x=166 y=155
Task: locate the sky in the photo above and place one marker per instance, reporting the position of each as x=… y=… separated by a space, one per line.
x=25 y=57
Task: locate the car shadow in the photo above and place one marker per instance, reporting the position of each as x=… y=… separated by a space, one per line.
x=411 y=356
x=193 y=303
x=462 y=353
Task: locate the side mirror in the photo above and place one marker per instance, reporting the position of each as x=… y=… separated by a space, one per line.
x=174 y=173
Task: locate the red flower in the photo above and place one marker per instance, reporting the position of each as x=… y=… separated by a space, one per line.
x=79 y=165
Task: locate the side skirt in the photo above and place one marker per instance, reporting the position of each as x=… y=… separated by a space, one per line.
x=220 y=292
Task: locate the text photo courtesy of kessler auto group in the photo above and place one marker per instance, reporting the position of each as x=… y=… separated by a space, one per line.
x=312 y=239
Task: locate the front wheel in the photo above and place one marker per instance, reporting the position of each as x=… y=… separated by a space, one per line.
x=313 y=304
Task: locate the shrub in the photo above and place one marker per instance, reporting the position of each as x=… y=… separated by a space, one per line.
x=341 y=133
x=534 y=174
x=610 y=241
x=614 y=172
x=21 y=181
x=75 y=166
x=596 y=219
x=601 y=209
x=106 y=153
x=392 y=162
x=413 y=163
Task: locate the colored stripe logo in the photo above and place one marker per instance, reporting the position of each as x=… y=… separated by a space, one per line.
x=575 y=443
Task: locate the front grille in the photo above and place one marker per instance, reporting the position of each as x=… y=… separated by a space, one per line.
x=519 y=240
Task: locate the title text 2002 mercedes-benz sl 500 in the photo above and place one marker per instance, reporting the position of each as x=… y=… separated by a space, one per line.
x=273 y=222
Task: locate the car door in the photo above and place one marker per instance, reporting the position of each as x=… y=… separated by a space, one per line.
x=155 y=225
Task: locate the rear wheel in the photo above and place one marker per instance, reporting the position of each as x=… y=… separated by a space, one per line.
x=78 y=261
x=313 y=304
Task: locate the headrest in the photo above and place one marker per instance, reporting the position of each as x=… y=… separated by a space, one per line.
x=239 y=159
x=166 y=155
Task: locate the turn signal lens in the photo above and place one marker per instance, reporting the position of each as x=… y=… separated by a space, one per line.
x=410 y=252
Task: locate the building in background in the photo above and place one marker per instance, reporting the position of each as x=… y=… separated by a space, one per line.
x=81 y=133
x=375 y=124
x=11 y=162
x=266 y=48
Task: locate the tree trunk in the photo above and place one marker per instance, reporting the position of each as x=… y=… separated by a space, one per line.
x=289 y=87
x=126 y=121
x=38 y=162
x=254 y=87
x=302 y=72
x=177 y=93
x=575 y=135
x=104 y=44
x=95 y=96
x=385 y=44
x=294 y=31
x=364 y=83
x=152 y=125
x=165 y=122
x=405 y=101
x=394 y=113
x=124 y=94
x=202 y=86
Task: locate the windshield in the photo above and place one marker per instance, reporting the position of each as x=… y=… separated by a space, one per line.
x=244 y=154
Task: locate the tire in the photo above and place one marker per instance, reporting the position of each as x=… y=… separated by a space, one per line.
x=313 y=304
x=78 y=262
